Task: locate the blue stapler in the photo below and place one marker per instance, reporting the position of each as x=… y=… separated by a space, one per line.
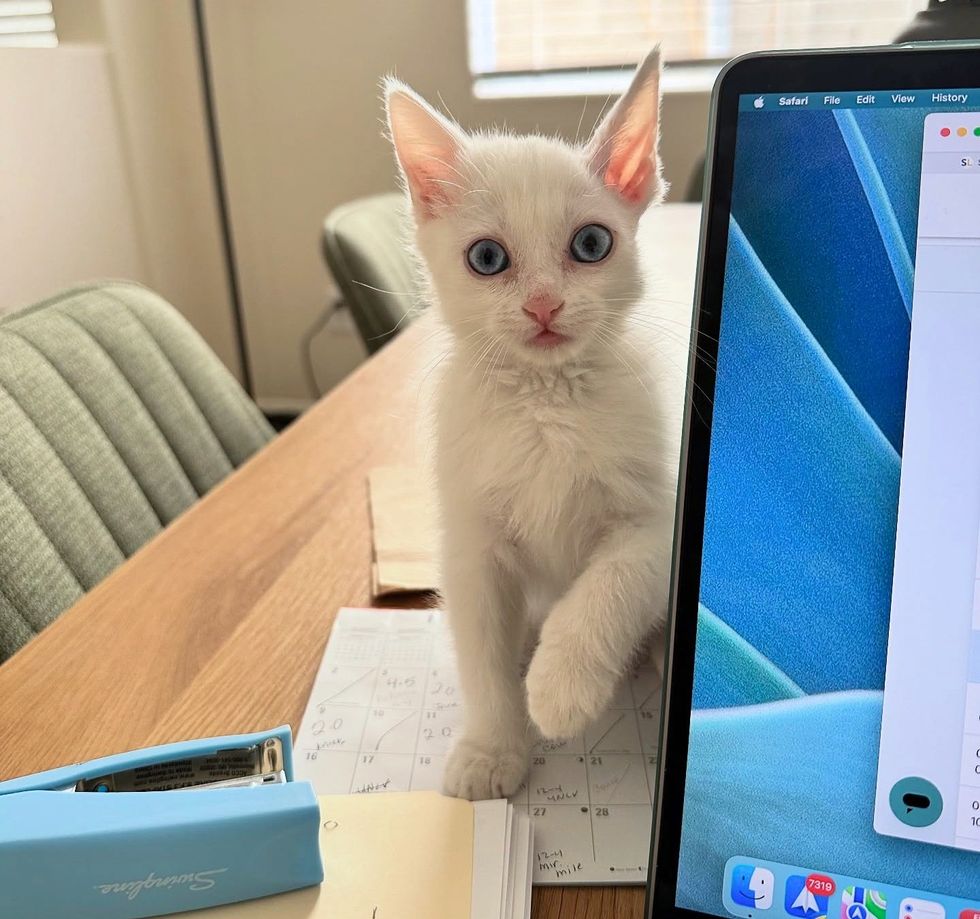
x=158 y=831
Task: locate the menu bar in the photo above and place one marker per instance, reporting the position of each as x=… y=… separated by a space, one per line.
x=874 y=98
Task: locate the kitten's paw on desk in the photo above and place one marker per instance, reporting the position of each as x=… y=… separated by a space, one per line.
x=564 y=695
x=477 y=772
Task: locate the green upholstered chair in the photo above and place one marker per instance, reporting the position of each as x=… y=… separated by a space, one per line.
x=115 y=417
x=365 y=244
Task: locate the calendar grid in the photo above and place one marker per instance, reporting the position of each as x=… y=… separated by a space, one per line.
x=384 y=713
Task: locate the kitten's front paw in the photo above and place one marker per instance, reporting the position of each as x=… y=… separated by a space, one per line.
x=565 y=694
x=477 y=772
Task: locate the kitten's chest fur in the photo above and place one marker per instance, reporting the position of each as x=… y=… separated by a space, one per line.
x=553 y=459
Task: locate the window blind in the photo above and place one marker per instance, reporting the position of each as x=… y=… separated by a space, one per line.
x=508 y=36
x=27 y=24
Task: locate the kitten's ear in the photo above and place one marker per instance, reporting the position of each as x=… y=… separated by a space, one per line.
x=623 y=150
x=427 y=147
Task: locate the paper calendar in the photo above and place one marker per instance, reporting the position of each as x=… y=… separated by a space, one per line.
x=386 y=709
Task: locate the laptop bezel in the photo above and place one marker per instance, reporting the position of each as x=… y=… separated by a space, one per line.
x=917 y=66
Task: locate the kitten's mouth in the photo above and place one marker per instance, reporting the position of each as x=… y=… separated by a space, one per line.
x=547 y=338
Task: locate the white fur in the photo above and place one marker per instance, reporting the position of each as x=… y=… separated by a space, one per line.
x=555 y=467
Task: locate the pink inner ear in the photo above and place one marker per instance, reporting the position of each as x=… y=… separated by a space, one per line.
x=428 y=186
x=428 y=149
x=630 y=169
x=638 y=187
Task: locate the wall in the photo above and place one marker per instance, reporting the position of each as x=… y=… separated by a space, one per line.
x=105 y=168
x=104 y=164
x=156 y=65
x=296 y=85
x=159 y=114
x=67 y=212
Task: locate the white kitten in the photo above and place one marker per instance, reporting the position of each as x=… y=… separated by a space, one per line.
x=556 y=460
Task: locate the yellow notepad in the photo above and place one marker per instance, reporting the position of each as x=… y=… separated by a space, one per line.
x=407 y=854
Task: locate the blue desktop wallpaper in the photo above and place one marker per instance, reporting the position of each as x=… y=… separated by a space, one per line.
x=802 y=505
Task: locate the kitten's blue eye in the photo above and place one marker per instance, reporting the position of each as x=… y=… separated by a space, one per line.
x=487 y=256
x=591 y=244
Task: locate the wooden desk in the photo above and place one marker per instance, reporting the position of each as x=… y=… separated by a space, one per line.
x=217 y=626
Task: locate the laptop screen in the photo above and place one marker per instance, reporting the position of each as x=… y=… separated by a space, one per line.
x=834 y=752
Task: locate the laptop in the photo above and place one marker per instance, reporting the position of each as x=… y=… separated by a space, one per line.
x=821 y=737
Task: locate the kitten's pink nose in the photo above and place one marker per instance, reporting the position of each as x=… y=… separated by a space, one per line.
x=543 y=307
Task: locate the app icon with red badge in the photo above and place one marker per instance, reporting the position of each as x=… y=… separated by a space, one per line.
x=801 y=901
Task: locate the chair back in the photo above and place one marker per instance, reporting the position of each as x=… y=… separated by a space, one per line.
x=366 y=247
x=115 y=418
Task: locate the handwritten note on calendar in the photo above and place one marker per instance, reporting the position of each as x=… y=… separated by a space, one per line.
x=386 y=709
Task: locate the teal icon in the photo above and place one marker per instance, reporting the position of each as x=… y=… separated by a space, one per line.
x=916 y=802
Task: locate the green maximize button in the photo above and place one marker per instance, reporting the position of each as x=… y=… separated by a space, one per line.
x=916 y=802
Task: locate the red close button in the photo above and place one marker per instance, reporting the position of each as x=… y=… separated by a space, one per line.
x=970 y=914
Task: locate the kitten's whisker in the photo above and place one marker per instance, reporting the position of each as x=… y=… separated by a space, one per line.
x=634 y=320
x=678 y=338
x=382 y=290
x=425 y=377
x=441 y=332
x=428 y=340
x=465 y=191
x=434 y=364
x=705 y=357
x=497 y=366
x=581 y=117
x=431 y=335
x=611 y=346
x=492 y=342
x=428 y=371
x=688 y=380
x=397 y=325
x=634 y=299
x=436 y=159
x=488 y=343
x=612 y=137
x=598 y=118
x=469 y=161
x=640 y=298
x=674 y=336
x=651 y=321
x=648 y=299
x=450 y=184
x=495 y=369
x=689 y=395
x=442 y=101
x=439 y=358
x=680 y=323
x=490 y=358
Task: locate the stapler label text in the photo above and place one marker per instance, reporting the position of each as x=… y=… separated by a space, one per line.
x=199 y=880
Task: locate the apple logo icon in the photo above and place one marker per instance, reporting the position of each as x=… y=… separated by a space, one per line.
x=760 y=102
